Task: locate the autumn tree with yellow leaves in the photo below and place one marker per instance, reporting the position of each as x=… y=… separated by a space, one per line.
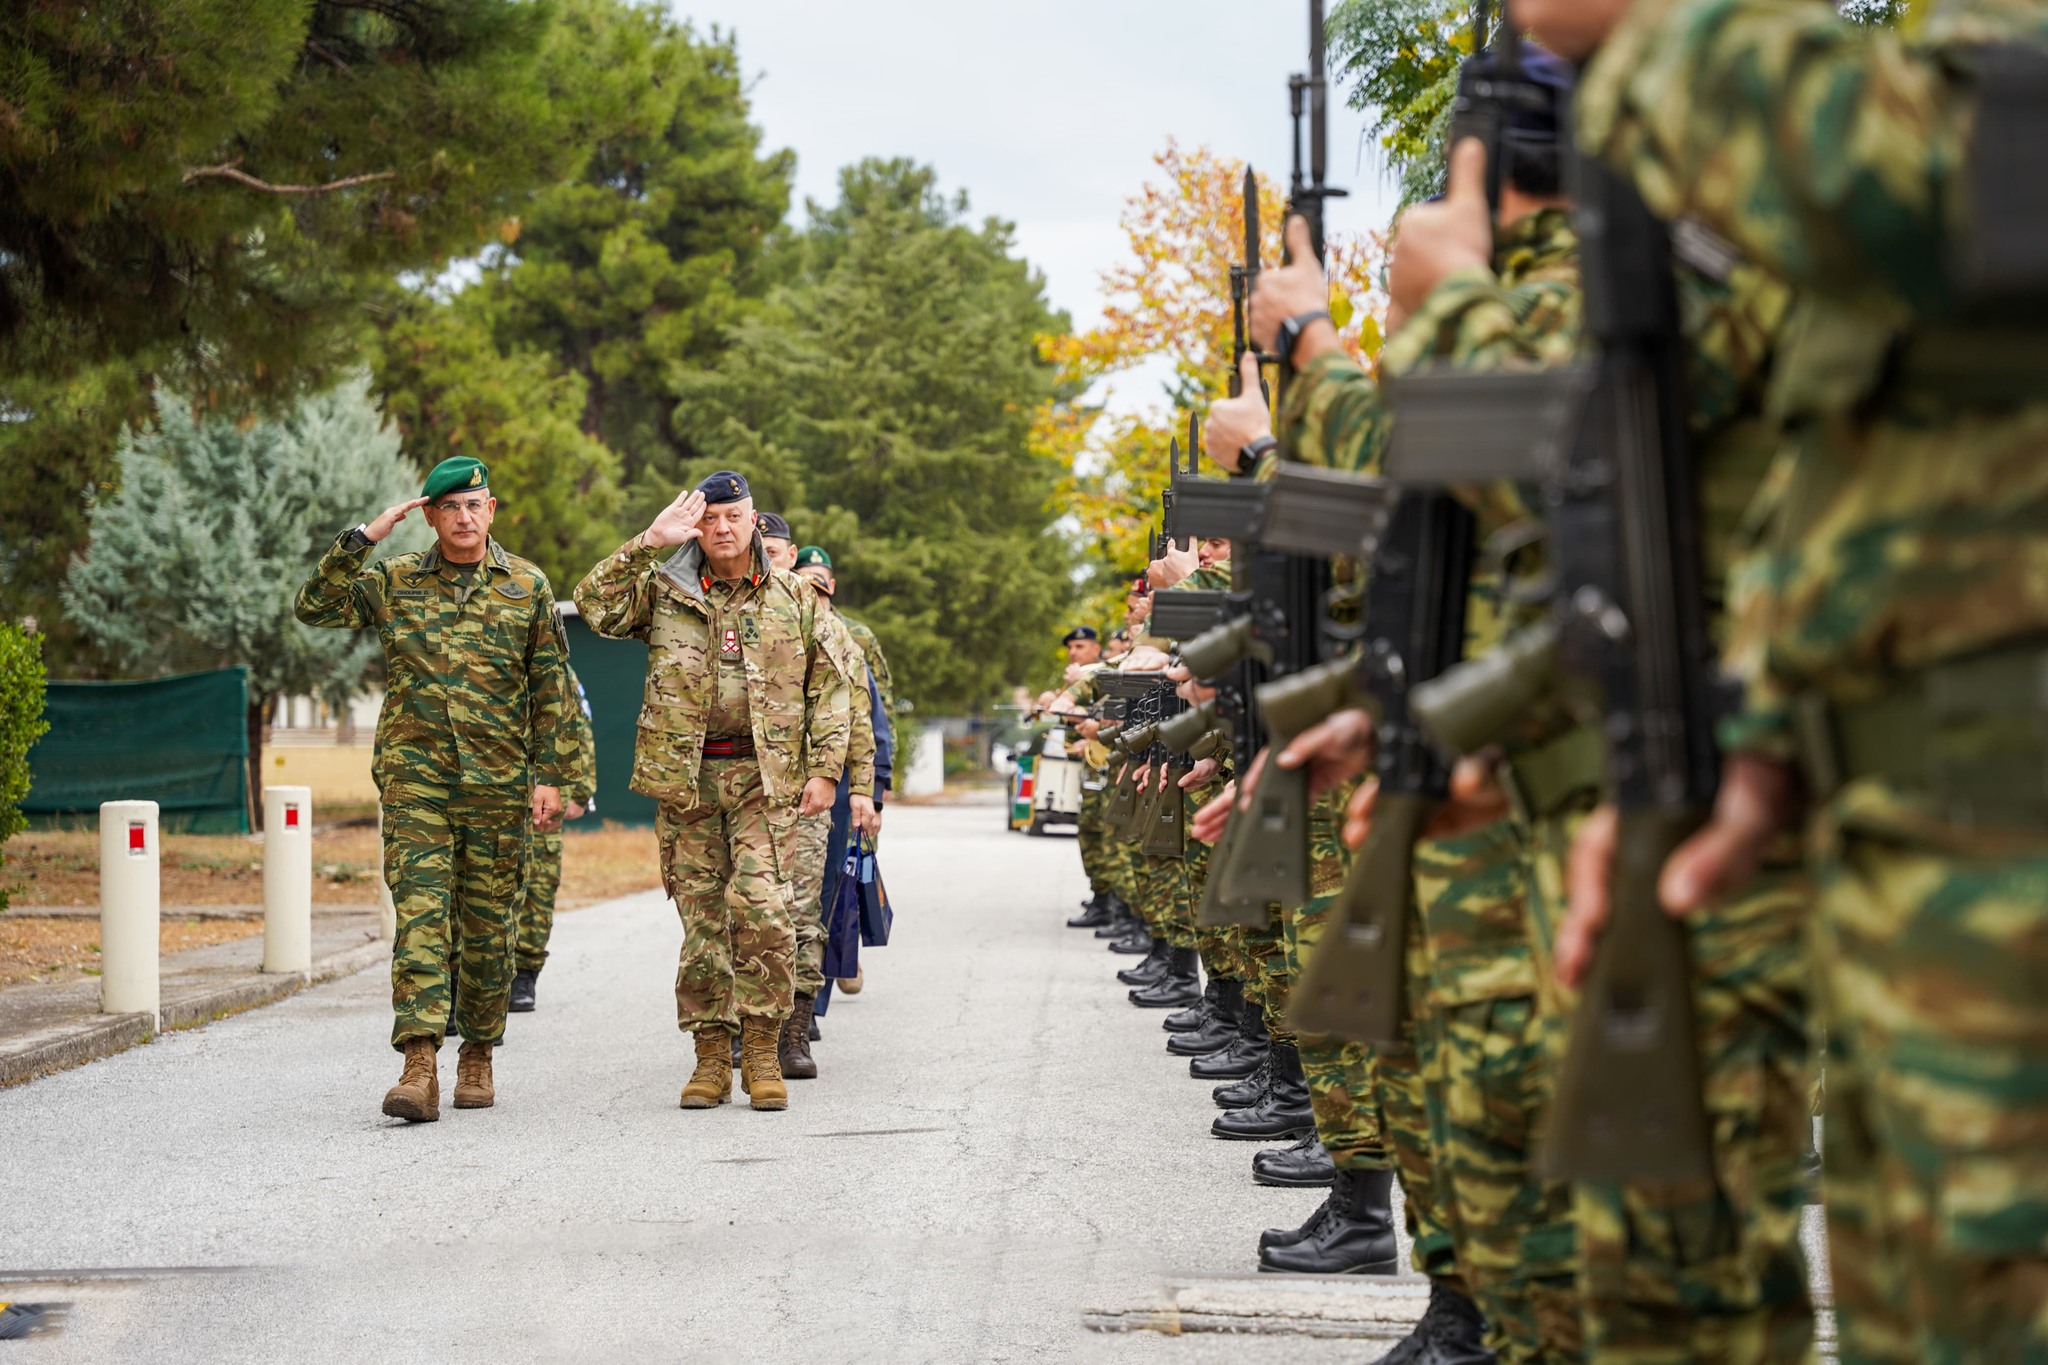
x=1169 y=301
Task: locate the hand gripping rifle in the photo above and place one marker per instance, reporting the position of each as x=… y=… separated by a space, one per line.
x=1620 y=493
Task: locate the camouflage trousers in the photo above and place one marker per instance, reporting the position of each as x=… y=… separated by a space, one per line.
x=540 y=879
x=1339 y=1073
x=1404 y=1112
x=452 y=858
x=812 y=842
x=1090 y=833
x=1935 y=1141
x=1487 y=1087
x=1166 y=906
x=726 y=861
x=1710 y=1272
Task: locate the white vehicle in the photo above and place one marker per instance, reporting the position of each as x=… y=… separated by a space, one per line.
x=1056 y=784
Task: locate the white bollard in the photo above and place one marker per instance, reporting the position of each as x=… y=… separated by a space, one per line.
x=131 y=908
x=288 y=879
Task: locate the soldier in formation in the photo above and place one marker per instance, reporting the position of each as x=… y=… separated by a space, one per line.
x=473 y=748
x=1862 y=403
x=745 y=731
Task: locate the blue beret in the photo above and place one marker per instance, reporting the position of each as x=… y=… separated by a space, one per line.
x=1079 y=633
x=1550 y=76
x=724 y=486
x=772 y=524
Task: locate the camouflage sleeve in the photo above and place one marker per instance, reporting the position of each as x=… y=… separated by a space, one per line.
x=339 y=592
x=1829 y=151
x=582 y=783
x=1471 y=321
x=844 y=648
x=828 y=703
x=1331 y=415
x=878 y=662
x=616 y=598
x=551 y=740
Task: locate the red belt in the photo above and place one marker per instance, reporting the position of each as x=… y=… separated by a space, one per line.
x=737 y=746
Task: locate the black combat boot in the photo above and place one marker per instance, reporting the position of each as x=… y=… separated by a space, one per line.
x=1137 y=942
x=1121 y=921
x=522 y=991
x=1282 y=1112
x=1356 y=1236
x=1151 y=969
x=1302 y=1162
x=1219 y=1030
x=1094 y=912
x=1452 y=1332
x=1241 y=1058
x=1287 y=1237
x=1180 y=984
x=1199 y=1014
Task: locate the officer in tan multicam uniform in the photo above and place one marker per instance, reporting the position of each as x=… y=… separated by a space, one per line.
x=744 y=730
x=473 y=745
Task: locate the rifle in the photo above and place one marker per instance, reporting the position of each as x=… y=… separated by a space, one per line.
x=1243 y=276
x=1307 y=197
x=1620 y=492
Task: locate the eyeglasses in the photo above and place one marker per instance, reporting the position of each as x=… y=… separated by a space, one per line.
x=472 y=506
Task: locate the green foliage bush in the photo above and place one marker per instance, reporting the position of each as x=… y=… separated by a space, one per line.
x=21 y=725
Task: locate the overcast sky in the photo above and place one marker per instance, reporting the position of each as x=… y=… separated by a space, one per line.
x=1047 y=113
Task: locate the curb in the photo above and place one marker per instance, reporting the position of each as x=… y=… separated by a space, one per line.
x=78 y=1041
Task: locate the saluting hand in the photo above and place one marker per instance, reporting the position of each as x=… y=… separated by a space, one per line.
x=677 y=524
x=388 y=519
x=1433 y=240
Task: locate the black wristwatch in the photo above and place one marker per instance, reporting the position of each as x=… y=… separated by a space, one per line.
x=1249 y=454
x=356 y=538
x=1291 y=330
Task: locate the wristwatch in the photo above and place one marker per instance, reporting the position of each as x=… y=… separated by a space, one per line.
x=1291 y=330
x=357 y=538
x=1252 y=452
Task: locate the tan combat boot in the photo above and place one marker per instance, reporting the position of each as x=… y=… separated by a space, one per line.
x=417 y=1096
x=710 y=1085
x=473 y=1088
x=761 y=1063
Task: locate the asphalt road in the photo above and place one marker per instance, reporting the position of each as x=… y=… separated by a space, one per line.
x=997 y=1143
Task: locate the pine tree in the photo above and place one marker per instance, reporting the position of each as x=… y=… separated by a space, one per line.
x=195 y=562
x=883 y=402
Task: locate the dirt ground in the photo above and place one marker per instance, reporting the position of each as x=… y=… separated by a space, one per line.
x=52 y=868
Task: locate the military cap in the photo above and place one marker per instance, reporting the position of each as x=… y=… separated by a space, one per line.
x=772 y=524
x=724 y=486
x=1079 y=633
x=811 y=555
x=456 y=474
x=1552 y=78
x=1121 y=633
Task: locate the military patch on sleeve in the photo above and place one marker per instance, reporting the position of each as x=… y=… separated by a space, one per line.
x=750 y=630
x=514 y=589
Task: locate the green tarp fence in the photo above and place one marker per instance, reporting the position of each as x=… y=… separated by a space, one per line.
x=614 y=677
x=182 y=742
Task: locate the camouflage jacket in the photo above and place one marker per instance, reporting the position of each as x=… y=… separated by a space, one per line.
x=1903 y=529
x=473 y=692
x=878 y=662
x=580 y=783
x=799 y=696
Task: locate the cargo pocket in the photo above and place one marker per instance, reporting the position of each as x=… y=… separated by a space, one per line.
x=665 y=756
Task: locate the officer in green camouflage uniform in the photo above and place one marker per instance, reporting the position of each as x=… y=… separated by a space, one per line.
x=1898 y=597
x=744 y=729
x=472 y=749
x=543 y=875
x=814 y=832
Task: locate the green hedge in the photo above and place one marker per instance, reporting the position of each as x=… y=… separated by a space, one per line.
x=21 y=724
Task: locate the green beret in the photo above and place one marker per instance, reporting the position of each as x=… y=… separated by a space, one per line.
x=812 y=554
x=453 y=476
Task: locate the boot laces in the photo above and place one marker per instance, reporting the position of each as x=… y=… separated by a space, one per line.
x=419 y=1064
